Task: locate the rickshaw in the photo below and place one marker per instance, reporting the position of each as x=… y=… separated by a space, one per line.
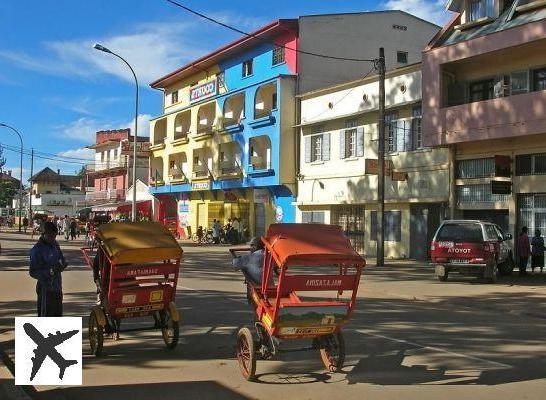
x=138 y=265
x=305 y=258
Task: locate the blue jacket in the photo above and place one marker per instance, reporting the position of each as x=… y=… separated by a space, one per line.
x=43 y=258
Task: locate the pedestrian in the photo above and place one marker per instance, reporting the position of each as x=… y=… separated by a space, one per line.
x=524 y=250
x=236 y=225
x=35 y=228
x=537 y=254
x=46 y=265
x=66 y=227
x=25 y=224
x=73 y=228
x=216 y=231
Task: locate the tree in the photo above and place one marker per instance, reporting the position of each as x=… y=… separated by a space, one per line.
x=7 y=191
x=2 y=159
x=82 y=171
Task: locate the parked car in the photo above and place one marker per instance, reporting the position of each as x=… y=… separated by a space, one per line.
x=471 y=248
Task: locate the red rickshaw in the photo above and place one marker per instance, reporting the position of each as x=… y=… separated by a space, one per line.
x=304 y=258
x=138 y=264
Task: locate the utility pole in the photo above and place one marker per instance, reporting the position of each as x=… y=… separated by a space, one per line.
x=30 y=191
x=380 y=66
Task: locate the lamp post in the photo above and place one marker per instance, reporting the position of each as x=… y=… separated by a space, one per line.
x=20 y=172
x=105 y=50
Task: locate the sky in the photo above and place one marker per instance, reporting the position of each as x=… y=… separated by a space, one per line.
x=58 y=91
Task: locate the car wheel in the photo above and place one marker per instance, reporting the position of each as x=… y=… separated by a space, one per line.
x=507 y=267
x=442 y=273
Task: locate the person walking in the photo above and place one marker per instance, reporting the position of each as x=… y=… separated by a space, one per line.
x=46 y=264
x=25 y=224
x=216 y=231
x=537 y=252
x=524 y=250
x=73 y=228
x=236 y=225
x=66 y=227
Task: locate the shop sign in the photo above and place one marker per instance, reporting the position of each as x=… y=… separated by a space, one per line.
x=261 y=196
x=200 y=185
x=203 y=91
x=128 y=146
x=183 y=213
x=399 y=176
x=371 y=166
x=501 y=187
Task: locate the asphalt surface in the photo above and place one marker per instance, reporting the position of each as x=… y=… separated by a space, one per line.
x=411 y=337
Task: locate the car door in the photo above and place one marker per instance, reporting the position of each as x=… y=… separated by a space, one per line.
x=504 y=247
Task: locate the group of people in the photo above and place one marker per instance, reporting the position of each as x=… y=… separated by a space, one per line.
x=234 y=231
x=533 y=248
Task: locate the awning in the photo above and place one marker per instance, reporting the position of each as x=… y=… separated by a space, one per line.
x=143 y=207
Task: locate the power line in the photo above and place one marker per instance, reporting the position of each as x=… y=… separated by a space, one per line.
x=309 y=53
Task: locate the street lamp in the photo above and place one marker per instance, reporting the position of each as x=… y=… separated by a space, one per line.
x=105 y=50
x=20 y=173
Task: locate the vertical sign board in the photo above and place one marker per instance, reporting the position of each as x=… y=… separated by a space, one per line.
x=501 y=187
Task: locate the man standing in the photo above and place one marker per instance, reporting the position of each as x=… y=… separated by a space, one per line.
x=524 y=250
x=66 y=227
x=236 y=227
x=25 y=224
x=46 y=264
x=216 y=231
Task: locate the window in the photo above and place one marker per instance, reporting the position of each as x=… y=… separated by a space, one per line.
x=479 y=194
x=247 y=68
x=539 y=79
x=477 y=168
x=519 y=82
x=278 y=55
x=114 y=183
x=481 y=9
x=392 y=224
x=402 y=57
x=174 y=97
x=416 y=128
x=317 y=146
x=467 y=232
x=491 y=233
x=274 y=101
x=312 y=217
x=351 y=140
x=481 y=90
x=531 y=164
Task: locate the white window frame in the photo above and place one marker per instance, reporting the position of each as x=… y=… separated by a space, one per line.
x=248 y=68
x=350 y=133
x=317 y=141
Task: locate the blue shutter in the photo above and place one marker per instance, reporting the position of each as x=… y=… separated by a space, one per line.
x=360 y=142
x=307 y=149
x=342 y=154
x=326 y=147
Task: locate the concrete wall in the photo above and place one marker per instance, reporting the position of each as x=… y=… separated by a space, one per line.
x=362 y=34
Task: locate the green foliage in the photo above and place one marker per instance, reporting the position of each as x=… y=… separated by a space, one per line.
x=7 y=192
x=2 y=159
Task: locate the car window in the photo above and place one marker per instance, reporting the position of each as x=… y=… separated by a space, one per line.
x=500 y=233
x=491 y=232
x=460 y=233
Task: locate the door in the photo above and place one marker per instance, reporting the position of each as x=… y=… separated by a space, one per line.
x=418 y=232
x=202 y=215
x=259 y=219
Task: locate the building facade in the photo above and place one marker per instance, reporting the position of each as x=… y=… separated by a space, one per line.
x=338 y=164
x=112 y=172
x=224 y=145
x=484 y=99
x=55 y=194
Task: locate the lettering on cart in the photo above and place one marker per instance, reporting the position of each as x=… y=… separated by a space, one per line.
x=323 y=282
x=458 y=251
x=151 y=307
x=143 y=271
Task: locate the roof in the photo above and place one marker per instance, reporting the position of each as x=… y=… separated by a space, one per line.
x=273 y=29
x=510 y=18
x=371 y=13
x=138 y=242
x=48 y=175
x=7 y=177
x=309 y=244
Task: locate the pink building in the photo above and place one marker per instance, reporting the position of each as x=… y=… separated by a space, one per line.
x=484 y=97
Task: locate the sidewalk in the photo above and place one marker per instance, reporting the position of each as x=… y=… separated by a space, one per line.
x=8 y=390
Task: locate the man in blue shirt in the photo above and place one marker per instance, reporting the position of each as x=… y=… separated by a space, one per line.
x=46 y=264
x=251 y=264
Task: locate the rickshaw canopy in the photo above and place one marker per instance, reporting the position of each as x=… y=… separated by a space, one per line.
x=309 y=244
x=138 y=242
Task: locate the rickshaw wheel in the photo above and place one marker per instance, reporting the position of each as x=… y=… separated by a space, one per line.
x=169 y=329
x=332 y=351
x=246 y=353
x=96 y=334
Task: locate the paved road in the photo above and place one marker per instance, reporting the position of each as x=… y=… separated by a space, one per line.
x=411 y=337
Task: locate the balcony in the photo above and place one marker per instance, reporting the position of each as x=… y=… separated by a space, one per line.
x=182 y=124
x=260 y=156
x=177 y=176
x=266 y=101
x=159 y=134
x=230 y=170
x=109 y=164
x=234 y=112
x=205 y=121
x=200 y=172
x=503 y=117
x=106 y=195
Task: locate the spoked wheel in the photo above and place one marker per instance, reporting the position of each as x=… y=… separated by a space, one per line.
x=96 y=334
x=246 y=353
x=169 y=329
x=332 y=351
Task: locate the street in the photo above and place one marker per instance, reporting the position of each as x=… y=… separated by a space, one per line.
x=410 y=336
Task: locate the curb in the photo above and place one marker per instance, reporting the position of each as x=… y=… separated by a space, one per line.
x=8 y=390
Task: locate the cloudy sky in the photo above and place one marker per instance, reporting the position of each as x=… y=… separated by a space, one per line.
x=58 y=91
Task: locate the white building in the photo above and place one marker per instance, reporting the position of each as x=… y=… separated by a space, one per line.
x=338 y=164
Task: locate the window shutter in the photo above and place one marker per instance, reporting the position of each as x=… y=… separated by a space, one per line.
x=308 y=149
x=360 y=142
x=326 y=147
x=342 y=149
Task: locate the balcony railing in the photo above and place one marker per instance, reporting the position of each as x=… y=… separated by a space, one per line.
x=230 y=168
x=200 y=171
x=472 y=194
x=106 y=195
x=176 y=174
x=259 y=163
x=109 y=164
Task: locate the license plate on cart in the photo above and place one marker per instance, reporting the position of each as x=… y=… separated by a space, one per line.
x=322 y=330
x=149 y=307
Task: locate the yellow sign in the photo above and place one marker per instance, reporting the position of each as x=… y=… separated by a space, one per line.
x=156 y=295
